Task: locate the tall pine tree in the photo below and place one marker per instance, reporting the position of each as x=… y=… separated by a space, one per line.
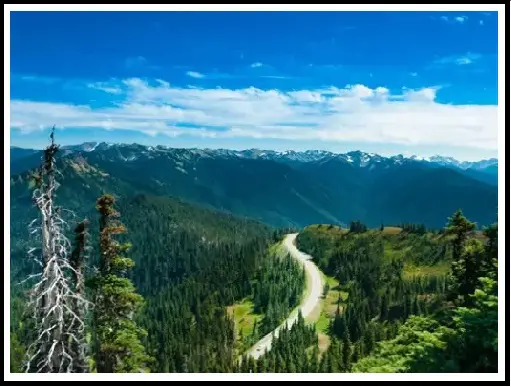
x=118 y=346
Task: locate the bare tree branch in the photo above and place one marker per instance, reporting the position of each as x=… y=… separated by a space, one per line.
x=58 y=306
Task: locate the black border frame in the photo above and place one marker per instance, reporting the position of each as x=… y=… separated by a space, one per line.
x=505 y=382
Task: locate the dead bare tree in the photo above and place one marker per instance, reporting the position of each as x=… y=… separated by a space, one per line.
x=53 y=299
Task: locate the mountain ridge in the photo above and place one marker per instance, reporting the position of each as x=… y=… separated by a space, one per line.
x=280 y=189
x=301 y=156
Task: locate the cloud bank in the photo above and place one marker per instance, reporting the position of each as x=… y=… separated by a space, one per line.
x=355 y=113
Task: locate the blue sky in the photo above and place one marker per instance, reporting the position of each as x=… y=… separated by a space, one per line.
x=386 y=82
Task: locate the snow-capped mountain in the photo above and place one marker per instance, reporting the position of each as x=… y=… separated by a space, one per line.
x=281 y=187
x=449 y=161
x=132 y=152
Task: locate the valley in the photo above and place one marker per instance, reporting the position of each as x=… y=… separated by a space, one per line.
x=302 y=194
x=309 y=302
x=221 y=286
x=283 y=189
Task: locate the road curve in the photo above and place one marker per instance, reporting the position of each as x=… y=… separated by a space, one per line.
x=309 y=302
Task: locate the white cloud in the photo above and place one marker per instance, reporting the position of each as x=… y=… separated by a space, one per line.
x=256 y=64
x=103 y=86
x=455 y=19
x=355 y=113
x=460 y=60
x=194 y=74
x=277 y=77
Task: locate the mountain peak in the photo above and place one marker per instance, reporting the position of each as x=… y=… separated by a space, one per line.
x=356 y=157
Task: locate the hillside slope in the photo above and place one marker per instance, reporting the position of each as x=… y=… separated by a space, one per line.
x=281 y=188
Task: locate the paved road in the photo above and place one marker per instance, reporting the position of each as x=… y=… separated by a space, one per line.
x=309 y=302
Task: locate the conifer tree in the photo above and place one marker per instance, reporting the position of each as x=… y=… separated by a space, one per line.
x=491 y=233
x=466 y=271
x=118 y=346
x=459 y=226
x=313 y=364
x=77 y=335
x=346 y=354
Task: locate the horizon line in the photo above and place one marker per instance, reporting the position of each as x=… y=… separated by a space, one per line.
x=420 y=158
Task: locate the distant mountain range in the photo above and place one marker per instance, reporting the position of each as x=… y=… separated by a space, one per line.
x=281 y=188
x=357 y=158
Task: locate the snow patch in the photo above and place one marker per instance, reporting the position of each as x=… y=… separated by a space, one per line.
x=182 y=170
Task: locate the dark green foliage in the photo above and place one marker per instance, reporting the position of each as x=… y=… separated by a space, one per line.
x=117 y=345
x=492 y=242
x=17 y=354
x=278 y=193
x=294 y=351
x=357 y=227
x=191 y=263
x=77 y=262
x=466 y=342
x=278 y=286
x=381 y=298
x=468 y=259
x=459 y=227
x=412 y=228
x=466 y=271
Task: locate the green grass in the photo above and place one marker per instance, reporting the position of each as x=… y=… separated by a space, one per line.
x=327 y=231
x=244 y=317
x=328 y=304
x=390 y=252
x=277 y=249
x=441 y=268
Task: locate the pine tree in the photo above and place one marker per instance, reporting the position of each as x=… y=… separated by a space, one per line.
x=346 y=354
x=384 y=307
x=417 y=310
x=466 y=271
x=491 y=233
x=77 y=334
x=369 y=339
x=326 y=289
x=460 y=227
x=357 y=352
x=313 y=363
x=118 y=346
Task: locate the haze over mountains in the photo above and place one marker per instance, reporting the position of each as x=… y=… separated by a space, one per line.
x=282 y=188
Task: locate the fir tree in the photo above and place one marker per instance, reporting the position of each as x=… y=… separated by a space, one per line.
x=460 y=227
x=118 y=346
x=77 y=335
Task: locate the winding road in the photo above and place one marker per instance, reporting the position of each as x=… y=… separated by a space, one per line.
x=309 y=302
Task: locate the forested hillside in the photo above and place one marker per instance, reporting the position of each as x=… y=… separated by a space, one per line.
x=417 y=302
x=283 y=188
x=169 y=278
x=190 y=263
